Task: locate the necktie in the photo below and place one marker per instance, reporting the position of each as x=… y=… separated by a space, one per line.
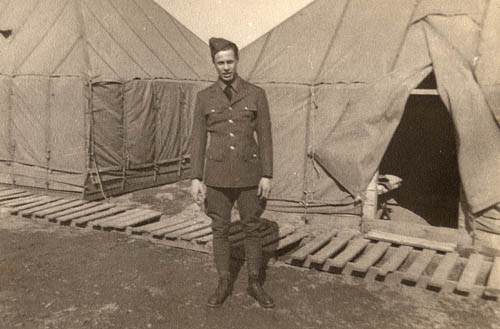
x=228 y=92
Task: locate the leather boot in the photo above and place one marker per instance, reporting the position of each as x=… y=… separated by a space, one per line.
x=256 y=291
x=221 y=293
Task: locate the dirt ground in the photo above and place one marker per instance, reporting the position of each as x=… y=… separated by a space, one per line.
x=54 y=276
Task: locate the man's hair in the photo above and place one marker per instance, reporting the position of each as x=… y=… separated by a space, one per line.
x=232 y=46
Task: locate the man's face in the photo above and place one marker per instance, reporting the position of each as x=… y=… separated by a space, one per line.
x=226 y=64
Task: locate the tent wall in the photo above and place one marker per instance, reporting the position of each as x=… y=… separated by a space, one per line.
x=140 y=134
x=43 y=142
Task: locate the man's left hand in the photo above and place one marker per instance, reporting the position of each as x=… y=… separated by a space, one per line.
x=264 y=188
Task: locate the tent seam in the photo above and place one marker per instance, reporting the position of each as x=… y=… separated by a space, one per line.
x=139 y=38
x=116 y=42
x=264 y=46
x=43 y=36
x=332 y=40
x=66 y=56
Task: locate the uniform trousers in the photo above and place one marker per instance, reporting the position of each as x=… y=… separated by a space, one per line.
x=219 y=203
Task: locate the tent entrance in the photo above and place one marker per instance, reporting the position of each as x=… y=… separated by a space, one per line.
x=423 y=153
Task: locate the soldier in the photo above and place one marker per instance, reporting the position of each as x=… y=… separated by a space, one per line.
x=235 y=167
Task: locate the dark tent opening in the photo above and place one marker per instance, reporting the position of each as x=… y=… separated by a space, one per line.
x=423 y=153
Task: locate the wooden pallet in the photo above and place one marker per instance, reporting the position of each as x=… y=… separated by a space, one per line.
x=394 y=259
x=182 y=231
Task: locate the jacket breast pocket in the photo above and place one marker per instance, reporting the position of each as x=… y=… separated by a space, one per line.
x=249 y=111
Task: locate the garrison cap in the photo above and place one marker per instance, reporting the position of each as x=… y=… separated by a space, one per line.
x=218 y=44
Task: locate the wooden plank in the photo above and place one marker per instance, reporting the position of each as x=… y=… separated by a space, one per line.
x=275 y=236
x=287 y=241
x=204 y=239
x=410 y=241
x=15 y=196
x=72 y=210
x=395 y=261
x=331 y=248
x=197 y=234
x=440 y=276
x=190 y=229
x=493 y=285
x=470 y=273
x=371 y=257
x=137 y=218
x=432 y=92
x=314 y=245
x=11 y=191
x=52 y=204
x=41 y=202
x=84 y=212
x=53 y=210
x=163 y=223
x=100 y=222
x=5 y=188
x=419 y=265
x=20 y=201
x=83 y=221
x=352 y=250
x=176 y=227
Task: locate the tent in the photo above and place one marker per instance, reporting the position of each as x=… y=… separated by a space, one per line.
x=96 y=96
x=338 y=75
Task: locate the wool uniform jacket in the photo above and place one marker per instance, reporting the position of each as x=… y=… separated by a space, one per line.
x=240 y=147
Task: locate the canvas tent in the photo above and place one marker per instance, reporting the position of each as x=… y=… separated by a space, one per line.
x=338 y=75
x=96 y=95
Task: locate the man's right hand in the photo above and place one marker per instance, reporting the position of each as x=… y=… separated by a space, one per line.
x=198 y=191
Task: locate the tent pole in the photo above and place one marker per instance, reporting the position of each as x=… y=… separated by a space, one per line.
x=370 y=200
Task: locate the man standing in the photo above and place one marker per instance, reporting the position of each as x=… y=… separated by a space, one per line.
x=234 y=167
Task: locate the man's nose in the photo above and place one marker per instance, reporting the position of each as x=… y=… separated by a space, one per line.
x=226 y=67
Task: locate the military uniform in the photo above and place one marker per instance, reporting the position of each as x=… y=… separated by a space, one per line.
x=233 y=163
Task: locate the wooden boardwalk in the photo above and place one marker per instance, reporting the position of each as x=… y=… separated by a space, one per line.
x=175 y=231
x=394 y=259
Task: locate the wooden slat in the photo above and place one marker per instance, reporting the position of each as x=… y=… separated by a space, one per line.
x=82 y=221
x=312 y=246
x=470 y=273
x=287 y=241
x=10 y=192
x=176 y=227
x=371 y=257
x=190 y=229
x=419 y=265
x=197 y=234
x=440 y=275
x=275 y=236
x=85 y=212
x=163 y=223
x=100 y=222
x=21 y=201
x=5 y=188
x=53 y=210
x=72 y=210
x=493 y=286
x=410 y=241
x=331 y=248
x=137 y=218
x=15 y=196
x=204 y=239
x=52 y=204
x=395 y=261
x=352 y=250
x=41 y=202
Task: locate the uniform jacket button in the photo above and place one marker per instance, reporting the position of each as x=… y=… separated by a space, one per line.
x=231 y=121
x=231 y=147
x=231 y=134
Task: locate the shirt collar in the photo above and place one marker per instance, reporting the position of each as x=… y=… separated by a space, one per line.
x=235 y=85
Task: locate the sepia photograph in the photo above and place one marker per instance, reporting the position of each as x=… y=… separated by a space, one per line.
x=236 y=164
